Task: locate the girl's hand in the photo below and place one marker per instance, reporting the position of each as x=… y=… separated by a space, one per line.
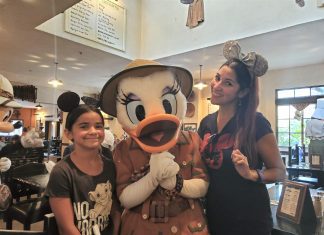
x=241 y=164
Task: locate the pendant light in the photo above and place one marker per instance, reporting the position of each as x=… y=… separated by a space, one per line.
x=200 y=85
x=39 y=106
x=55 y=82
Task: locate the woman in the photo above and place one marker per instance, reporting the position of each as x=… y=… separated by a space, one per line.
x=82 y=185
x=237 y=143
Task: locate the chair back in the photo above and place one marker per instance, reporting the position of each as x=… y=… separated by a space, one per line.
x=35 y=154
x=29 y=169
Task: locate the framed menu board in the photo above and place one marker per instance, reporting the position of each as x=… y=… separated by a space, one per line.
x=295 y=203
x=102 y=21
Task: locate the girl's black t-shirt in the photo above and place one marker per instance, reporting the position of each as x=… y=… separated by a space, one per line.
x=234 y=205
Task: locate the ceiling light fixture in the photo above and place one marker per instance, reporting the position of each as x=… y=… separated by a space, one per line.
x=200 y=85
x=39 y=106
x=55 y=82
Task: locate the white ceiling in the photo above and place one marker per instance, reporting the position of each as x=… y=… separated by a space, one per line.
x=25 y=52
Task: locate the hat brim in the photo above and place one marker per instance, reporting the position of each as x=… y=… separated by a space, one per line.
x=318 y=114
x=108 y=95
x=11 y=104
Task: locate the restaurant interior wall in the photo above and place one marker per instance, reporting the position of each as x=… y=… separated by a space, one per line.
x=225 y=20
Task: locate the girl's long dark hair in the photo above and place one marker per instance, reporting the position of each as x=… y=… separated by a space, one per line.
x=246 y=111
x=77 y=112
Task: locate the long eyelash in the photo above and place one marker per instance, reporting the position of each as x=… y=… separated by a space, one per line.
x=125 y=99
x=174 y=89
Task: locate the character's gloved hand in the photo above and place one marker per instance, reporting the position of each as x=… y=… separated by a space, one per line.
x=163 y=166
x=169 y=183
x=5 y=164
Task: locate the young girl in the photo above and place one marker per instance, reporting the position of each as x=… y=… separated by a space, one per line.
x=82 y=185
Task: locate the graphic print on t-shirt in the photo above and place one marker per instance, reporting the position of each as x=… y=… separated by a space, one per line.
x=87 y=217
x=212 y=153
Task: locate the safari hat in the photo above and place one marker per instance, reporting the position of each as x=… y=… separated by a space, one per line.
x=319 y=111
x=140 y=68
x=6 y=94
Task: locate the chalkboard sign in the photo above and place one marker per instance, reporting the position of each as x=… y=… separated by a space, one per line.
x=101 y=21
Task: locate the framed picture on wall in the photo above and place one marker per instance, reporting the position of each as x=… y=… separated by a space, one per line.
x=189 y=126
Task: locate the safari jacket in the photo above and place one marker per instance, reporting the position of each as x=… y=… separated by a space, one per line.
x=160 y=214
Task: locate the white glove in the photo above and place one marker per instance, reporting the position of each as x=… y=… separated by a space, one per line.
x=163 y=166
x=169 y=183
x=5 y=164
x=137 y=192
x=194 y=188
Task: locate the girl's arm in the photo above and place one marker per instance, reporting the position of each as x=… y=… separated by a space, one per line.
x=63 y=211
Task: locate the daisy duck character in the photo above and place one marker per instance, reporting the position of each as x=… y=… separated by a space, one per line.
x=160 y=174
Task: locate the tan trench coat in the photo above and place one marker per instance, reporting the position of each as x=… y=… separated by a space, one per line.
x=131 y=161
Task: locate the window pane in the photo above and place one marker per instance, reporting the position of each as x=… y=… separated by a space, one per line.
x=285 y=94
x=302 y=92
x=317 y=91
x=309 y=110
x=283 y=126
x=283 y=112
x=295 y=138
x=283 y=139
x=295 y=125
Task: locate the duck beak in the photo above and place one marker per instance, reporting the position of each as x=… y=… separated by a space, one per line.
x=6 y=127
x=156 y=133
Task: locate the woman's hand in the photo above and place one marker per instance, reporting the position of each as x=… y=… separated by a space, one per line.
x=241 y=165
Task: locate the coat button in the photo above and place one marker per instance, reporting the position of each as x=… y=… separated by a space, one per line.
x=144 y=216
x=174 y=229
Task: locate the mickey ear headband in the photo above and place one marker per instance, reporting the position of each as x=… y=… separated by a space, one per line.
x=69 y=100
x=255 y=63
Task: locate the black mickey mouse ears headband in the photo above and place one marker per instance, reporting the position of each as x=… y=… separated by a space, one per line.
x=69 y=100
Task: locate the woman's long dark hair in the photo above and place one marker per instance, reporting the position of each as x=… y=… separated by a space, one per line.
x=246 y=111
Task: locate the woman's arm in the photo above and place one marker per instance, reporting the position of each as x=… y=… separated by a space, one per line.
x=63 y=211
x=268 y=150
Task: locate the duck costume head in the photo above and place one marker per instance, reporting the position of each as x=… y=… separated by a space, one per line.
x=159 y=168
x=149 y=101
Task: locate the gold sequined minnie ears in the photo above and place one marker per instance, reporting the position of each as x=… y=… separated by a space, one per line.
x=255 y=63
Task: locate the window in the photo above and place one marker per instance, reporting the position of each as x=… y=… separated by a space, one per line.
x=294 y=107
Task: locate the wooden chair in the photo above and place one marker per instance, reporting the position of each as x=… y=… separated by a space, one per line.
x=29 y=169
x=35 y=154
x=50 y=226
x=27 y=212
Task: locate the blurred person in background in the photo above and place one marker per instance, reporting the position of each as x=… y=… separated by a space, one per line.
x=107 y=146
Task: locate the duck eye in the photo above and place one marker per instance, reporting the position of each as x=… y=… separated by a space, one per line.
x=169 y=103
x=135 y=111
